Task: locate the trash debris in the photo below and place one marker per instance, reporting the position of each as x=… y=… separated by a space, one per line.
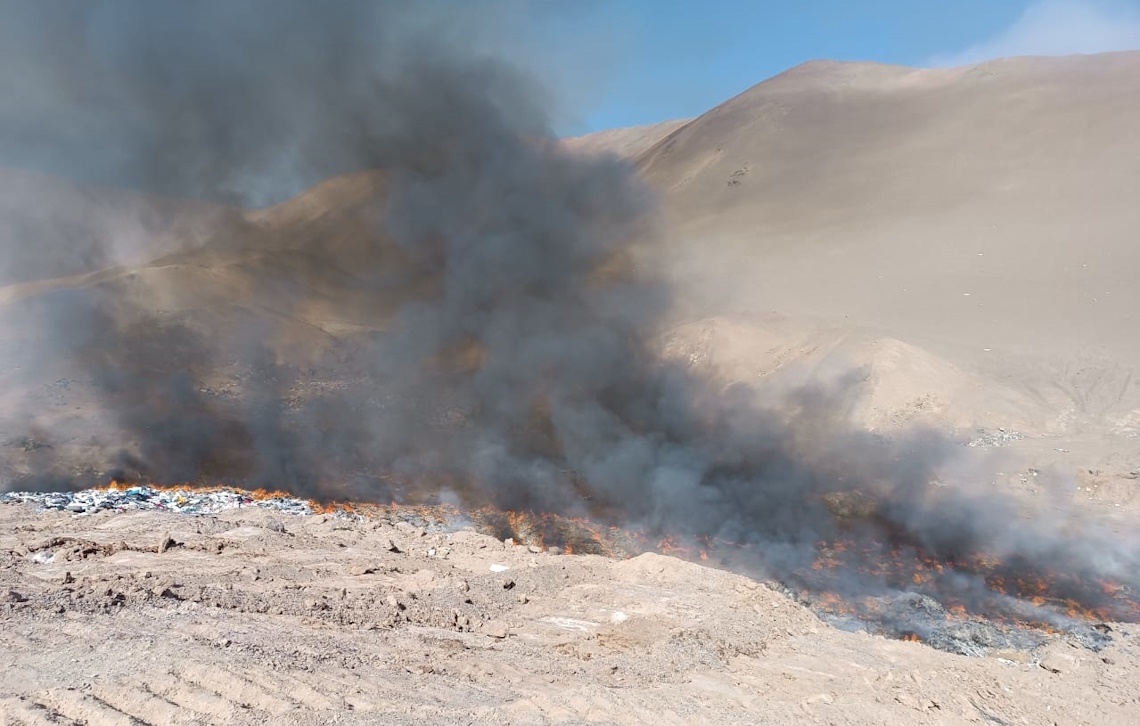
x=987 y=439
x=185 y=501
x=498 y=568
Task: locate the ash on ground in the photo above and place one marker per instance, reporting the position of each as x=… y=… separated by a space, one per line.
x=901 y=615
x=914 y=616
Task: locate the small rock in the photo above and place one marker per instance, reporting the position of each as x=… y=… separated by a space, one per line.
x=165 y=543
x=553 y=550
x=508 y=584
x=463 y=586
x=391 y=546
x=11 y=596
x=68 y=578
x=534 y=549
x=509 y=542
x=496 y=629
x=523 y=598
x=358 y=570
x=1058 y=661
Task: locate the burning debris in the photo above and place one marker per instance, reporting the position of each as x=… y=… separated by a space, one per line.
x=497 y=278
x=970 y=607
x=183 y=500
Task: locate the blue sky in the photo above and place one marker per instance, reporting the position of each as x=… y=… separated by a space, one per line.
x=628 y=62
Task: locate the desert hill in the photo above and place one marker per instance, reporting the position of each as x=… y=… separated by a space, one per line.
x=931 y=248
x=988 y=206
x=629 y=142
x=965 y=237
x=57 y=228
x=983 y=216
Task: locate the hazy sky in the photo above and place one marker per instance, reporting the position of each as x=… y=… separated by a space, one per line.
x=650 y=60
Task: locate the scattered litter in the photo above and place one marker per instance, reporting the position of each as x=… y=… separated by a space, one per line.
x=987 y=439
x=498 y=568
x=186 y=501
x=570 y=623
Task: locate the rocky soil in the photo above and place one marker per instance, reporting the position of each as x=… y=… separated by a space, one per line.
x=253 y=616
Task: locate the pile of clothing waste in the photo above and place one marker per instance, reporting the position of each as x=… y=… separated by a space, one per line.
x=121 y=498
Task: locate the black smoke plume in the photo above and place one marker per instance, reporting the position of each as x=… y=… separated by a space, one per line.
x=502 y=337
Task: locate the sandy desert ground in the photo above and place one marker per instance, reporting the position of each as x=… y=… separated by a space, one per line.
x=965 y=238
x=252 y=617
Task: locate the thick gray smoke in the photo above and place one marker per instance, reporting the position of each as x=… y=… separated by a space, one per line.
x=501 y=337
